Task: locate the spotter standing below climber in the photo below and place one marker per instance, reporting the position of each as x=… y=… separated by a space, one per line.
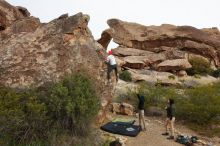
x=112 y=65
x=141 y=111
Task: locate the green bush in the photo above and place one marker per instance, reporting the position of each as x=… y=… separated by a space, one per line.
x=126 y=76
x=216 y=73
x=42 y=116
x=73 y=104
x=198 y=107
x=23 y=117
x=197 y=76
x=199 y=66
x=172 y=77
x=154 y=95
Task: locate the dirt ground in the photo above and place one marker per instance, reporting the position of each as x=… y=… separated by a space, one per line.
x=153 y=137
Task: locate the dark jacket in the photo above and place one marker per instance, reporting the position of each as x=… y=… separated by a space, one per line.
x=170 y=112
x=141 y=102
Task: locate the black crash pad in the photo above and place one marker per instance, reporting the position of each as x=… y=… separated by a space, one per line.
x=121 y=128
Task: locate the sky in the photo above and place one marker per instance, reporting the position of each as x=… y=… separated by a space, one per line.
x=197 y=13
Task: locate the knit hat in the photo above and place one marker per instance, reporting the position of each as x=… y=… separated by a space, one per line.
x=110 y=52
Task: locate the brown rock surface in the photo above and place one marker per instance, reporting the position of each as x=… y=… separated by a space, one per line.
x=123 y=52
x=9 y=14
x=213 y=31
x=136 y=62
x=139 y=59
x=122 y=108
x=182 y=73
x=122 y=88
x=154 y=38
x=173 y=53
x=29 y=24
x=177 y=64
x=105 y=38
x=120 y=62
x=145 y=58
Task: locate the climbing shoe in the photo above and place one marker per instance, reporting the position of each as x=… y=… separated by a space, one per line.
x=170 y=137
x=165 y=134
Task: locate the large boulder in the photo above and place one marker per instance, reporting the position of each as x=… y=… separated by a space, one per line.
x=150 y=38
x=34 y=54
x=174 y=65
x=49 y=53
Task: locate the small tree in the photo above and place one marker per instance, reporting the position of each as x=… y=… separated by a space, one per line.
x=200 y=66
x=126 y=76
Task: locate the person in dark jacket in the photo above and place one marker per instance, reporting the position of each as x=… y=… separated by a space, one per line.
x=141 y=111
x=170 y=119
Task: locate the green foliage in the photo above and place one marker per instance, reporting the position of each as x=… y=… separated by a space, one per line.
x=156 y=95
x=198 y=107
x=73 y=103
x=37 y=117
x=172 y=77
x=216 y=73
x=199 y=66
x=106 y=143
x=126 y=76
x=197 y=76
x=23 y=117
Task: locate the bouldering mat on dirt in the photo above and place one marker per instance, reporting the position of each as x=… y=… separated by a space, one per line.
x=121 y=128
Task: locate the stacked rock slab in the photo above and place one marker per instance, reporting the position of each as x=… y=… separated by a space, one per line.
x=169 y=41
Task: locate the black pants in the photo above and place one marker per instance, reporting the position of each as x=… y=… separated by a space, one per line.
x=110 y=68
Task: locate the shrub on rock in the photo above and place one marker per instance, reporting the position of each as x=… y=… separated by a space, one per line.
x=126 y=76
x=40 y=115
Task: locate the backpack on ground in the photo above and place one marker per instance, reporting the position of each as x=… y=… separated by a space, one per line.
x=115 y=143
x=186 y=140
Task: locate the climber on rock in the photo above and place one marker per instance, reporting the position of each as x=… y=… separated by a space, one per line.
x=112 y=65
